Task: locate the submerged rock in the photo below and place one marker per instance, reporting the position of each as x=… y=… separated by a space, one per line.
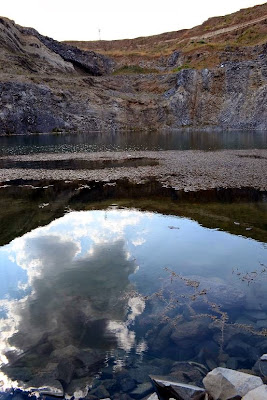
x=190 y=329
x=100 y=392
x=226 y=384
x=142 y=390
x=188 y=372
x=51 y=387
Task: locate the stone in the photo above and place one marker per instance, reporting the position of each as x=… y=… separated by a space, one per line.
x=207 y=350
x=238 y=348
x=227 y=295
x=55 y=390
x=125 y=381
x=245 y=321
x=167 y=388
x=190 y=329
x=110 y=384
x=261 y=324
x=142 y=390
x=122 y=396
x=260 y=393
x=153 y=396
x=255 y=315
x=226 y=384
x=188 y=372
x=141 y=374
x=260 y=366
x=45 y=385
x=100 y=392
x=79 y=386
x=211 y=364
x=232 y=363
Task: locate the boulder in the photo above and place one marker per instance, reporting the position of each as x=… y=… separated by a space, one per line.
x=260 y=393
x=226 y=384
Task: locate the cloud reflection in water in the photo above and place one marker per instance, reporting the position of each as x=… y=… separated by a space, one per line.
x=78 y=307
x=76 y=283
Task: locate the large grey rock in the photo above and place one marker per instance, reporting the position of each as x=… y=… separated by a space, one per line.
x=260 y=393
x=226 y=384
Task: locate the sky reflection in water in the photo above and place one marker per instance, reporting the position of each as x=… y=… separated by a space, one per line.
x=79 y=281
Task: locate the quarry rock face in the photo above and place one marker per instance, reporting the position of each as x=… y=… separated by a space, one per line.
x=48 y=86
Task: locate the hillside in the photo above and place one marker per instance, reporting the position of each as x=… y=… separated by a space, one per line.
x=216 y=40
x=193 y=78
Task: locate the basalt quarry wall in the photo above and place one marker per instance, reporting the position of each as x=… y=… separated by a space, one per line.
x=46 y=86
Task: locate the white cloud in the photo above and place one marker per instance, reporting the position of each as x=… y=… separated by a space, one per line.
x=138 y=242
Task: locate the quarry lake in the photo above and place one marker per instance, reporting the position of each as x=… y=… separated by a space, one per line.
x=130 y=141
x=130 y=255
x=102 y=298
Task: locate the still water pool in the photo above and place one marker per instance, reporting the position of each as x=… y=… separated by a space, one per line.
x=107 y=297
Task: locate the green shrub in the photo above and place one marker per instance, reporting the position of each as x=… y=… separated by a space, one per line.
x=178 y=69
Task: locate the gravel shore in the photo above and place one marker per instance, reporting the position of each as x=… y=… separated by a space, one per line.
x=183 y=170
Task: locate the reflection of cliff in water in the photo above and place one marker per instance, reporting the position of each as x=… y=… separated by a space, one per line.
x=25 y=205
x=65 y=324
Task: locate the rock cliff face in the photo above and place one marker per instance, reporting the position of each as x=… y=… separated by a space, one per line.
x=48 y=86
x=234 y=95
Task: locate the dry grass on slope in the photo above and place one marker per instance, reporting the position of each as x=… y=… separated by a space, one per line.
x=201 y=45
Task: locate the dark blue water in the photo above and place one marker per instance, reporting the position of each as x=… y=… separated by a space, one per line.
x=129 y=141
x=99 y=292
